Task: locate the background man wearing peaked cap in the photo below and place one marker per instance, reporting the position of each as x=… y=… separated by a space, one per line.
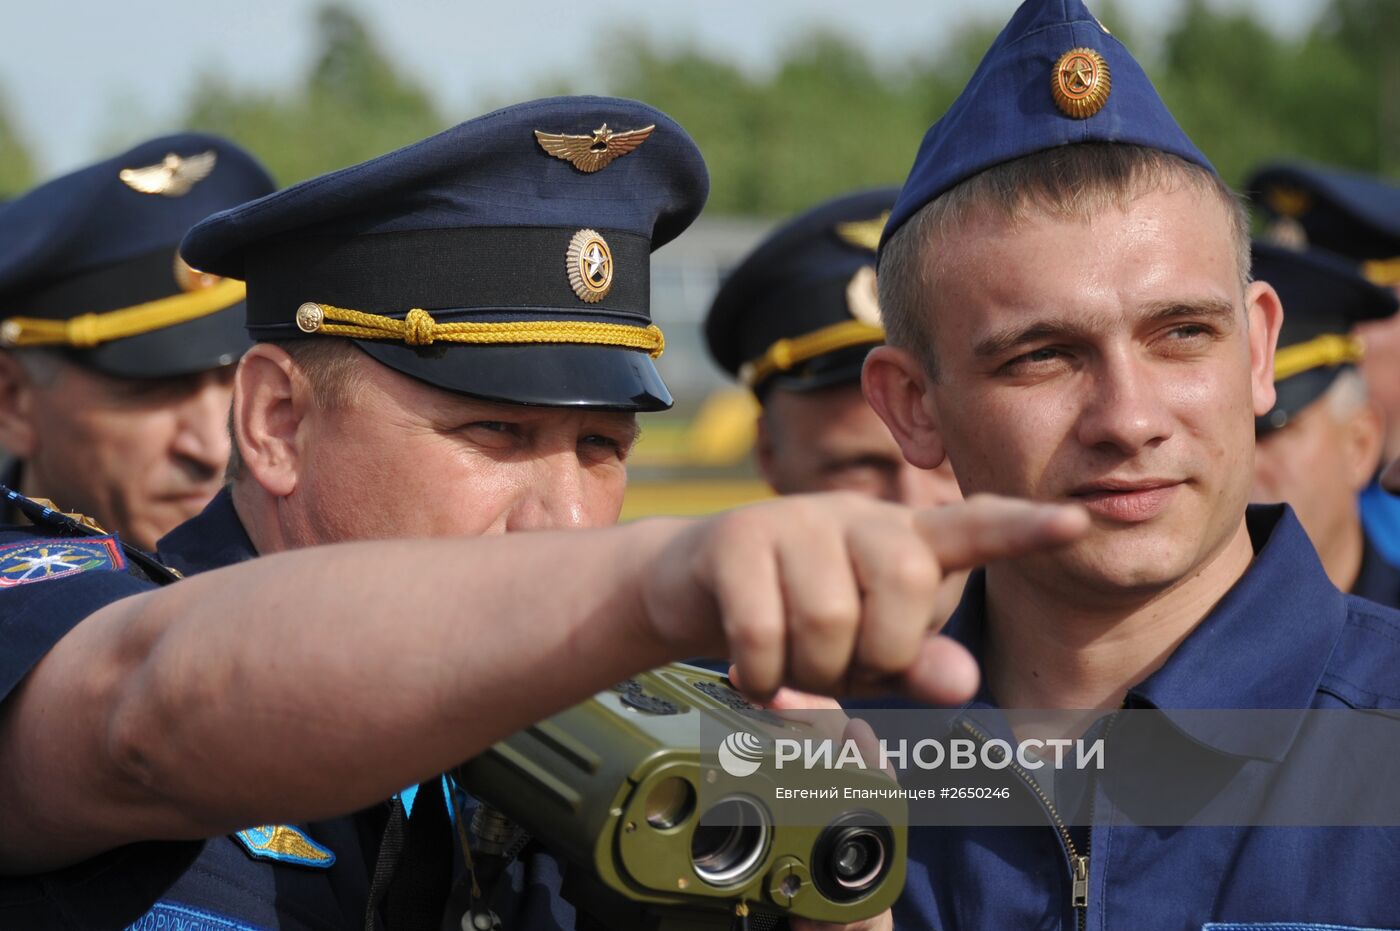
x=1358 y=218
x=793 y=323
x=453 y=340
x=1065 y=286
x=1321 y=443
x=116 y=358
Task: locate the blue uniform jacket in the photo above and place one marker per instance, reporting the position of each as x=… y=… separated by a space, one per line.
x=264 y=878
x=1282 y=638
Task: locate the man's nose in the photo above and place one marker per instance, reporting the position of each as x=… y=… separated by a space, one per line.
x=202 y=435
x=553 y=497
x=1127 y=411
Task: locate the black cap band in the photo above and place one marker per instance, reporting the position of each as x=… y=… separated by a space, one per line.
x=519 y=272
x=148 y=277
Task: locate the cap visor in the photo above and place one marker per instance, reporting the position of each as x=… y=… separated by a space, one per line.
x=208 y=342
x=549 y=376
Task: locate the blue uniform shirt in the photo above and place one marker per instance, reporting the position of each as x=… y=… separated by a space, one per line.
x=1282 y=638
x=235 y=883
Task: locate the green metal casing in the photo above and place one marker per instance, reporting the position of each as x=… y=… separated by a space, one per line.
x=579 y=783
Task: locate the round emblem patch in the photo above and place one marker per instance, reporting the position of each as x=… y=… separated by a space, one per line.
x=590 y=266
x=1080 y=83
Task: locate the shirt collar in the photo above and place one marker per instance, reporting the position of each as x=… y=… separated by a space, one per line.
x=1265 y=645
x=210 y=540
x=1377 y=579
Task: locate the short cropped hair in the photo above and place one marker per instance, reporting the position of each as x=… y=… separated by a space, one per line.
x=331 y=367
x=1071 y=182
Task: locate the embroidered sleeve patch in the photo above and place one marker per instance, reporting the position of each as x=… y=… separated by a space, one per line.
x=283 y=843
x=45 y=560
x=167 y=916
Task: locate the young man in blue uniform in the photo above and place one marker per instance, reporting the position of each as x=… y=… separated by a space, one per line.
x=1065 y=285
x=1357 y=217
x=453 y=342
x=1320 y=444
x=116 y=357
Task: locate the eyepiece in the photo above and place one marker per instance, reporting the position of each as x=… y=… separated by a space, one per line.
x=852 y=856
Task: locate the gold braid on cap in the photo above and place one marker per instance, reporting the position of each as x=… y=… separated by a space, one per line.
x=88 y=330
x=787 y=353
x=418 y=328
x=1326 y=350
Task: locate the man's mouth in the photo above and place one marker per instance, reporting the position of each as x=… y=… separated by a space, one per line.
x=1126 y=501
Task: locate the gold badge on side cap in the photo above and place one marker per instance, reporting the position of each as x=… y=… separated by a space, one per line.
x=172 y=176
x=596 y=151
x=864 y=234
x=189 y=278
x=590 y=266
x=1080 y=83
x=863 y=297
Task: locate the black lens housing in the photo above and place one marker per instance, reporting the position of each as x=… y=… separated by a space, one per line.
x=852 y=856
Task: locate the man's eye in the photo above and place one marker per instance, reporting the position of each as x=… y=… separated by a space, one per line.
x=1189 y=331
x=606 y=444
x=1035 y=357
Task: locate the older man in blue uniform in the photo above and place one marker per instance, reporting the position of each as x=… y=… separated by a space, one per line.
x=1320 y=445
x=453 y=340
x=1357 y=217
x=116 y=357
x=1065 y=284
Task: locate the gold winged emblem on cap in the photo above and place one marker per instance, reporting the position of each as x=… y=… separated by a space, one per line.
x=172 y=176
x=596 y=151
x=864 y=234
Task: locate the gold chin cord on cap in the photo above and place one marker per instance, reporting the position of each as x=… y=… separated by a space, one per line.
x=418 y=328
x=1326 y=350
x=786 y=353
x=88 y=330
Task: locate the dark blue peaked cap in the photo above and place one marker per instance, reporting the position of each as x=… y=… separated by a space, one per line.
x=500 y=259
x=1008 y=109
x=1324 y=298
x=1345 y=212
x=800 y=311
x=88 y=261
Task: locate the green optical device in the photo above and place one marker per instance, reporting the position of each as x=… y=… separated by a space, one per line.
x=661 y=797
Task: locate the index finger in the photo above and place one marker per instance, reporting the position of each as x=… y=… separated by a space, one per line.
x=988 y=527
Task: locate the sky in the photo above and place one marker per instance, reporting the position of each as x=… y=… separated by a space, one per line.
x=74 y=73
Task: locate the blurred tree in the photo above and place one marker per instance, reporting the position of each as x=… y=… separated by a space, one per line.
x=352 y=106
x=16 y=166
x=1247 y=96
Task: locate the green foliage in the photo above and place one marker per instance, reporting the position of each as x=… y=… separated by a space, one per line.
x=353 y=105
x=828 y=120
x=16 y=167
x=826 y=116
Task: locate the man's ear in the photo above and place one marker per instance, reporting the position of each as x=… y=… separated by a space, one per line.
x=898 y=388
x=1365 y=439
x=17 y=434
x=1265 y=312
x=271 y=398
